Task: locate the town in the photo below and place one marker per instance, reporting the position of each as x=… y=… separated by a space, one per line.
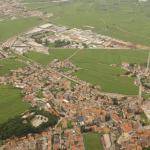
x=64 y=111
x=81 y=107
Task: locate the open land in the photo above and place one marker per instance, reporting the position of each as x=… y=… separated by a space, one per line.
x=96 y=66
x=10 y=97
x=10 y=102
x=92 y=141
x=6 y=65
x=14 y=27
x=125 y=20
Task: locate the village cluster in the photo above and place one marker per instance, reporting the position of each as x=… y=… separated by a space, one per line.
x=14 y=9
x=81 y=108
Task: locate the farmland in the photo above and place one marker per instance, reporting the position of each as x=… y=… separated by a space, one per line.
x=10 y=98
x=54 y=54
x=10 y=103
x=9 y=28
x=6 y=65
x=96 y=66
x=92 y=141
x=127 y=20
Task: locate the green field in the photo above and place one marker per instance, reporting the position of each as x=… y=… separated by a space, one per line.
x=6 y=65
x=54 y=54
x=128 y=20
x=92 y=141
x=10 y=98
x=96 y=69
x=10 y=28
x=146 y=96
x=145 y=121
x=10 y=103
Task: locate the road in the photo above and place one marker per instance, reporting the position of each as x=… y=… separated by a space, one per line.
x=113 y=95
x=73 y=54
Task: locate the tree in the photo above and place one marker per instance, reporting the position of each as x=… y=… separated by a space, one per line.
x=61 y=43
x=17 y=127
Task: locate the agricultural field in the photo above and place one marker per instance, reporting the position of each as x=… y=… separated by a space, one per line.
x=6 y=65
x=10 y=98
x=11 y=103
x=96 y=66
x=123 y=19
x=54 y=54
x=10 y=28
x=92 y=141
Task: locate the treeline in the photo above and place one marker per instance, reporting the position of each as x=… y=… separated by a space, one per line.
x=61 y=43
x=18 y=126
x=55 y=44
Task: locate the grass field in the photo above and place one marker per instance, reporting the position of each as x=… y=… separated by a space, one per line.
x=54 y=54
x=128 y=20
x=10 y=98
x=10 y=103
x=144 y=119
x=9 y=64
x=96 y=69
x=11 y=28
x=92 y=141
x=146 y=96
